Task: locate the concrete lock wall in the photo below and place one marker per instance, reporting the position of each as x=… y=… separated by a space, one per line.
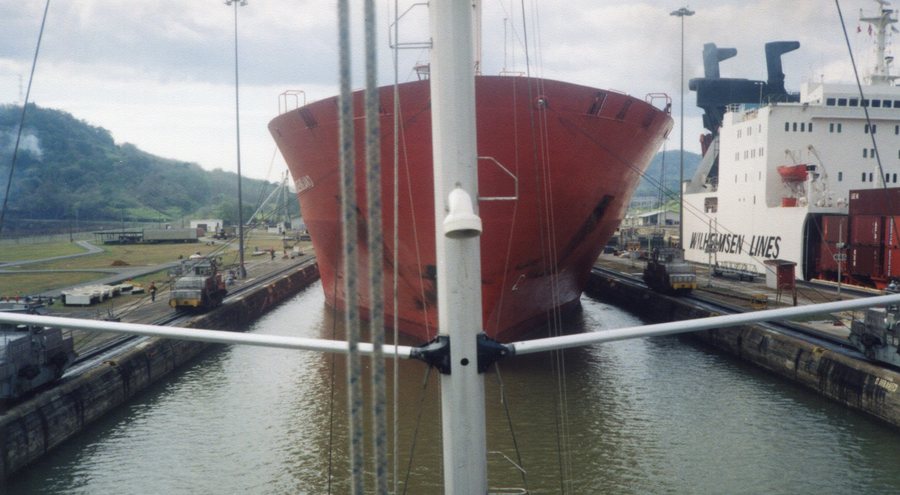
x=35 y=427
x=858 y=384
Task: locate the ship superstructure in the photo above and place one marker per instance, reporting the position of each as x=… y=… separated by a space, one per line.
x=779 y=168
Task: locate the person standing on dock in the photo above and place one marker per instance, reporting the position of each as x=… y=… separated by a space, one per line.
x=152 y=290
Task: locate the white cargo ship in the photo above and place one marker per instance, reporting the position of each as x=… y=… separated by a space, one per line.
x=777 y=165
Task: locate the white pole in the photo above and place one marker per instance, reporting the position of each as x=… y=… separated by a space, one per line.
x=458 y=258
x=676 y=327
x=201 y=335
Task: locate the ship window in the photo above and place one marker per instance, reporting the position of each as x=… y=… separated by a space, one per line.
x=853 y=102
x=737 y=156
x=753 y=153
x=802 y=126
x=787 y=126
x=761 y=151
x=876 y=103
x=870 y=176
x=886 y=103
x=831 y=127
x=749 y=131
x=760 y=176
x=865 y=102
x=863 y=176
x=840 y=176
x=735 y=178
x=839 y=128
x=809 y=127
x=872 y=152
x=897 y=129
x=739 y=133
x=895 y=178
x=794 y=127
x=865 y=153
x=896 y=103
x=842 y=102
x=754 y=199
x=830 y=102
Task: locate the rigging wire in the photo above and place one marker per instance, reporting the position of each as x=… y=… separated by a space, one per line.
x=348 y=232
x=15 y=155
x=509 y=423
x=375 y=244
x=539 y=158
x=334 y=320
x=415 y=434
x=396 y=241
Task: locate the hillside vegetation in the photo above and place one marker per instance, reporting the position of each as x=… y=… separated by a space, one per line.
x=68 y=169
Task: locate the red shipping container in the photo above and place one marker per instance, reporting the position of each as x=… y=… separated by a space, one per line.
x=834 y=228
x=875 y=201
x=865 y=261
x=866 y=230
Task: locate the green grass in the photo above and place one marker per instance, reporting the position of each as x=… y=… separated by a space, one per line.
x=34 y=283
x=21 y=252
x=12 y=284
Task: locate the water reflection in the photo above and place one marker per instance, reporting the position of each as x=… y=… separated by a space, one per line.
x=647 y=416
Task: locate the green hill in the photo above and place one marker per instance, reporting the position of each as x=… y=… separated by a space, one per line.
x=68 y=169
x=649 y=186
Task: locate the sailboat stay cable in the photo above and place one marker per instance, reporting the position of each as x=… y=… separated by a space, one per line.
x=415 y=434
x=15 y=153
x=349 y=241
x=395 y=287
x=509 y=423
x=375 y=242
x=539 y=150
x=334 y=320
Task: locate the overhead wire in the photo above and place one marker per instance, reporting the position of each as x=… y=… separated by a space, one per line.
x=545 y=209
x=15 y=154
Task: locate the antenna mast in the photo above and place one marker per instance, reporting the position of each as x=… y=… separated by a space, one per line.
x=886 y=17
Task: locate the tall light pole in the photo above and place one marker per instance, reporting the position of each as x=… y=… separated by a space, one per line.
x=242 y=272
x=682 y=13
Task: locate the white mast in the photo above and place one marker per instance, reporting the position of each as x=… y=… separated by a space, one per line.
x=457 y=244
x=886 y=17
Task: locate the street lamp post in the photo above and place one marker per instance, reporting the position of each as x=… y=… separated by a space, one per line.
x=242 y=271
x=682 y=13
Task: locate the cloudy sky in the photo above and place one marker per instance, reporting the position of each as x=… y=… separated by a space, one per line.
x=160 y=74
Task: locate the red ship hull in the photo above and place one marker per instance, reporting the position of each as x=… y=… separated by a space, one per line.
x=576 y=153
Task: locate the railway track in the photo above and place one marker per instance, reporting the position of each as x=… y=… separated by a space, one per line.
x=94 y=355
